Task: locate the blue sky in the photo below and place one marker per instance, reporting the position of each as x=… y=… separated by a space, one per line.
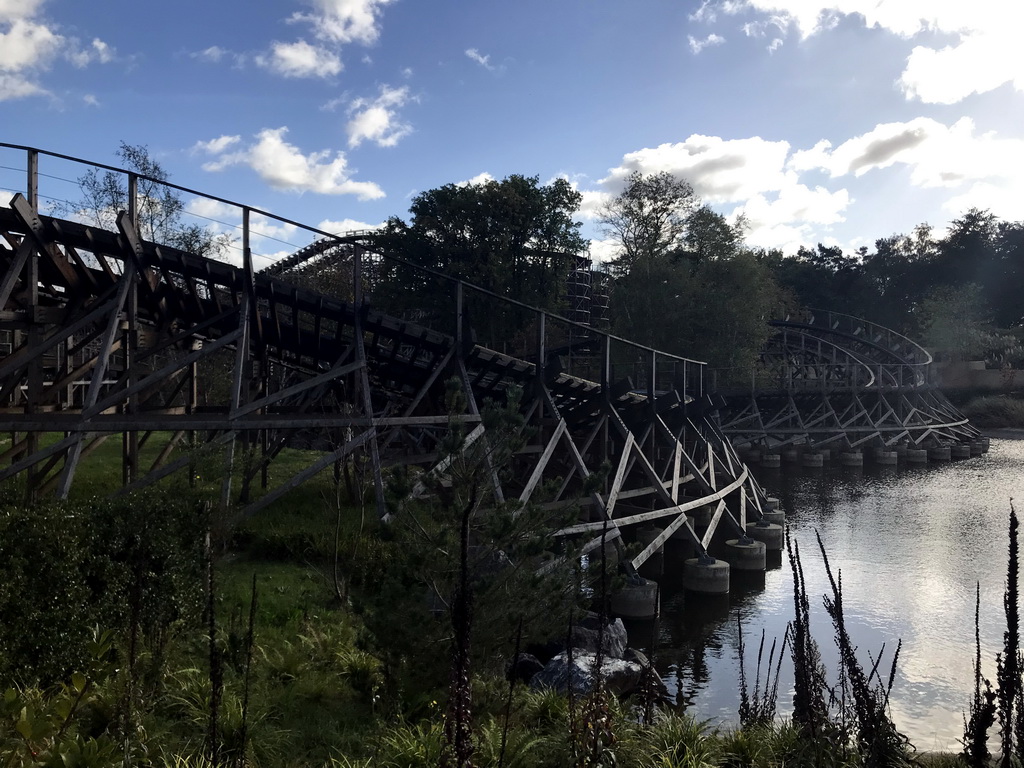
x=837 y=121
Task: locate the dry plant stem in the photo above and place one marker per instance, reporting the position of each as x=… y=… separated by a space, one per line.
x=216 y=671
x=249 y=636
x=1008 y=669
x=511 y=689
x=458 y=726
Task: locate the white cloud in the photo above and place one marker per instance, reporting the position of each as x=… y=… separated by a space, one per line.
x=283 y=166
x=300 y=59
x=696 y=46
x=480 y=178
x=984 y=54
x=27 y=45
x=212 y=54
x=981 y=62
x=746 y=176
x=603 y=251
x=216 y=146
x=594 y=200
x=91 y=100
x=706 y=12
x=936 y=154
x=96 y=51
x=791 y=217
x=377 y=119
x=483 y=61
x=18 y=87
x=720 y=170
x=344 y=21
x=346 y=225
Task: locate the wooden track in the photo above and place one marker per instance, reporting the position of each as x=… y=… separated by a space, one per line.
x=836 y=381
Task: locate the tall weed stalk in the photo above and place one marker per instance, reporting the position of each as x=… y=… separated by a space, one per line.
x=983 y=705
x=759 y=708
x=810 y=710
x=878 y=740
x=1008 y=663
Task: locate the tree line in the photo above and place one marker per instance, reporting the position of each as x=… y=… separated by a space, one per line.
x=682 y=278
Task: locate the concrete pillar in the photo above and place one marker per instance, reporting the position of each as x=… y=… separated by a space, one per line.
x=901 y=451
x=939 y=453
x=975 y=448
x=791 y=455
x=813 y=460
x=702 y=516
x=851 y=459
x=771 y=461
x=751 y=455
x=917 y=456
x=639 y=599
x=984 y=444
x=960 y=451
x=706 y=575
x=746 y=554
x=648 y=533
x=826 y=453
x=886 y=458
x=771 y=534
x=775 y=517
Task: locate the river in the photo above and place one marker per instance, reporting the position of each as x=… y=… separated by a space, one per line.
x=911 y=544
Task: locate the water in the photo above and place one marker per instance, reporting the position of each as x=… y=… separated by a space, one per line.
x=911 y=545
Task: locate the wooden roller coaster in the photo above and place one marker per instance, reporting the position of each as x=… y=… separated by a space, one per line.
x=107 y=335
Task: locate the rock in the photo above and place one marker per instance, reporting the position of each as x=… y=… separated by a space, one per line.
x=613 y=643
x=620 y=676
x=524 y=667
x=660 y=689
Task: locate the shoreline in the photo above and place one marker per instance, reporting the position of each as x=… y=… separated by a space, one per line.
x=1003 y=433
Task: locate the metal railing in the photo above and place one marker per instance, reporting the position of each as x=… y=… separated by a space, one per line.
x=247 y=225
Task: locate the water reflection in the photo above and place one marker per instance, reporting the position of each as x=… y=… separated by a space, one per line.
x=911 y=545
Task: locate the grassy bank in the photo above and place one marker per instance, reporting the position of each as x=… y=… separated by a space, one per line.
x=995 y=412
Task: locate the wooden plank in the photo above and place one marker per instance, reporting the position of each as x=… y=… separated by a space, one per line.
x=643 y=517
x=713 y=525
x=538 y=470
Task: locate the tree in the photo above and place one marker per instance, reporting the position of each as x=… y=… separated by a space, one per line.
x=684 y=284
x=514 y=237
x=709 y=235
x=462 y=565
x=160 y=208
x=649 y=218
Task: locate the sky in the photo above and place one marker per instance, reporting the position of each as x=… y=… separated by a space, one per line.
x=832 y=121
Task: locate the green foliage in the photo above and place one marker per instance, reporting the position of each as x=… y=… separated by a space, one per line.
x=411 y=606
x=53 y=726
x=995 y=411
x=515 y=237
x=67 y=568
x=650 y=219
x=683 y=283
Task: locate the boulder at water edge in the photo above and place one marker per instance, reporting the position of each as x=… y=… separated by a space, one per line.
x=620 y=676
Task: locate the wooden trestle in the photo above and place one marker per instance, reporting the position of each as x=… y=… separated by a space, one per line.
x=109 y=335
x=834 y=381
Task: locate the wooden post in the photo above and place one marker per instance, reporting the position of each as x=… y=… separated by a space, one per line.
x=364 y=378
x=32 y=180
